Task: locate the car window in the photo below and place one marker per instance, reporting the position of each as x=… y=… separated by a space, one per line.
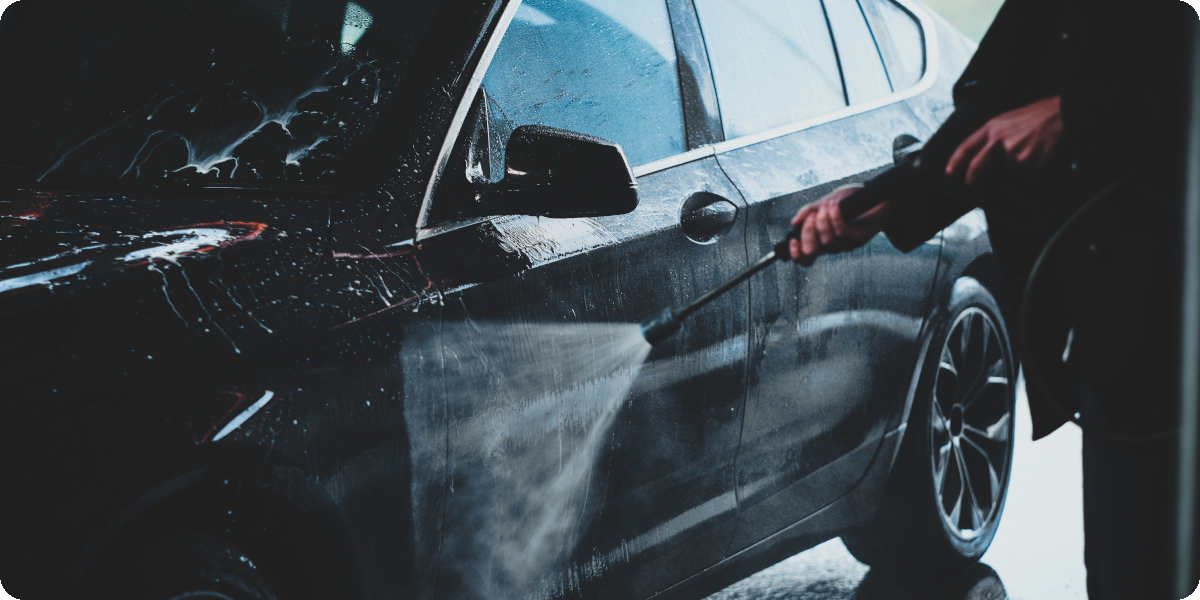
x=773 y=62
x=900 y=40
x=601 y=67
x=862 y=64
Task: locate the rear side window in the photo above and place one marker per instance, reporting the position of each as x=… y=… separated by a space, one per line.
x=866 y=79
x=900 y=39
x=773 y=61
x=601 y=67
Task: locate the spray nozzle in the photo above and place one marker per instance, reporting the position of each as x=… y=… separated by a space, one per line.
x=661 y=327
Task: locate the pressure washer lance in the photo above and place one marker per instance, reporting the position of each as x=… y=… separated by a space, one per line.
x=671 y=320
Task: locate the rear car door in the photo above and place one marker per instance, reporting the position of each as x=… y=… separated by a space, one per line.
x=637 y=505
x=808 y=105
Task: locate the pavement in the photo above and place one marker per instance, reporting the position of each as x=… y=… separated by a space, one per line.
x=1037 y=553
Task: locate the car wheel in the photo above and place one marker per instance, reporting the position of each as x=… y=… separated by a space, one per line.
x=948 y=487
x=183 y=566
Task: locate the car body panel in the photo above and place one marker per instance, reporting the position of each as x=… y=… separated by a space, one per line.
x=685 y=403
x=319 y=360
x=817 y=393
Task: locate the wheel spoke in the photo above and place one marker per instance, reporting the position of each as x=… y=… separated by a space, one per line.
x=994 y=482
x=945 y=386
x=982 y=385
x=971 y=388
x=947 y=362
x=955 y=513
x=978 y=446
x=956 y=510
x=940 y=422
x=996 y=370
x=993 y=475
x=974 y=518
x=996 y=432
x=974 y=514
x=941 y=430
x=946 y=381
x=979 y=355
x=942 y=468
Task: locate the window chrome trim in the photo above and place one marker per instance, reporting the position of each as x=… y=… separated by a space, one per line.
x=674 y=160
x=464 y=107
x=932 y=65
x=424 y=233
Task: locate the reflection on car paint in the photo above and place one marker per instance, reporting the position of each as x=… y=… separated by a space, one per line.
x=244 y=416
x=142 y=249
x=271 y=141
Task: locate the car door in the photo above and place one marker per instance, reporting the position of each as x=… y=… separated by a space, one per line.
x=807 y=105
x=565 y=446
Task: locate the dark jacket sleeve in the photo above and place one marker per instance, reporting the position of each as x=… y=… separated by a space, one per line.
x=1009 y=69
x=922 y=204
x=1119 y=68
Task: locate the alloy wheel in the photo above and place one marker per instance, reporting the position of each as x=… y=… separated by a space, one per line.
x=971 y=424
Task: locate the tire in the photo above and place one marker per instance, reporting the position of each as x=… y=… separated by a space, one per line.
x=184 y=566
x=961 y=422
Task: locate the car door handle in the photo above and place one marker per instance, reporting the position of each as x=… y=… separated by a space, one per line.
x=903 y=145
x=705 y=216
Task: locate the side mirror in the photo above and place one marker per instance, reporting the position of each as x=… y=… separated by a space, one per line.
x=556 y=173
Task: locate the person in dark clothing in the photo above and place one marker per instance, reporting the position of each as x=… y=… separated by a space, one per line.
x=1066 y=101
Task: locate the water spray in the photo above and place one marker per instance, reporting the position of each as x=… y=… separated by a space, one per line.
x=671 y=320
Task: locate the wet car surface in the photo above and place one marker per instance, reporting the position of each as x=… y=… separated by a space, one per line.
x=1037 y=554
x=346 y=301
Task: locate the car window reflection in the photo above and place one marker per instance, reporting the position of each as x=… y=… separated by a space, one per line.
x=602 y=67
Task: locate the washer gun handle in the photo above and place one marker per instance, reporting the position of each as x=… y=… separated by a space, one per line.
x=852 y=206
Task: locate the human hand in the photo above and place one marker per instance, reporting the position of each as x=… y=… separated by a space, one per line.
x=1022 y=138
x=821 y=229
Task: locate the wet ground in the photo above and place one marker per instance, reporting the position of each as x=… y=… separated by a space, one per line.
x=1037 y=553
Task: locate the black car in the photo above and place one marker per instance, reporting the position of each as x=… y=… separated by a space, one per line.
x=341 y=299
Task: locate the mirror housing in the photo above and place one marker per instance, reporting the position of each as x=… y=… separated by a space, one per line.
x=556 y=173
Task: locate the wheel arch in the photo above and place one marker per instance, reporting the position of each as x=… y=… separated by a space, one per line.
x=272 y=510
x=983 y=269
x=982 y=272
x=958 y=293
